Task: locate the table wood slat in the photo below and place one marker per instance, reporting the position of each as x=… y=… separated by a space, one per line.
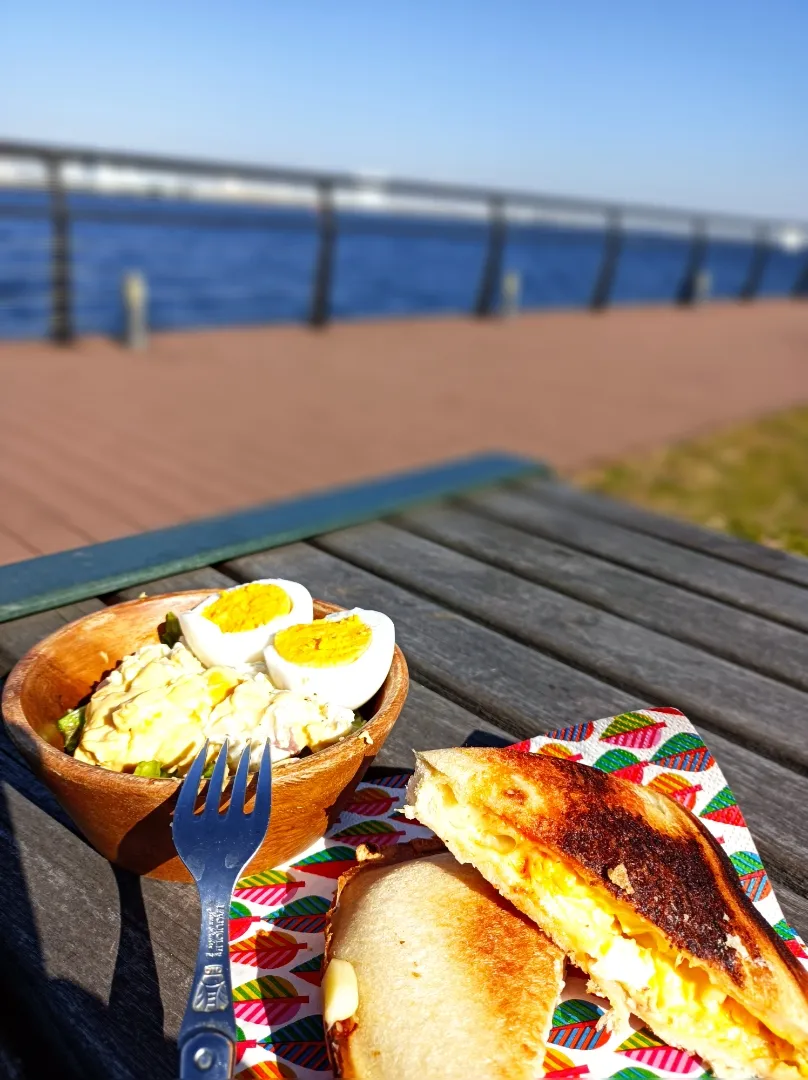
x=430 y=722
x=19 y=635
x=747 y=706
x=750 y=640
x=206 y=577
x=795 y=909
x=766 y=560
x=736 y=585
x=510 y=684
x=772 y=798
x=92 y=975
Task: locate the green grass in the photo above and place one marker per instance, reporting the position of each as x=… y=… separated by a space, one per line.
x=750 y=480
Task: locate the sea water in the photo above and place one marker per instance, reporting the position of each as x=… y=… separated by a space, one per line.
x=226 y=265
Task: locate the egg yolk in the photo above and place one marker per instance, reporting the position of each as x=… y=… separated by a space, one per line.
x=248 y=607
x=324 y=643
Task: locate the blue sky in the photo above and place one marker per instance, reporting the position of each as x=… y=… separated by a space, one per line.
x=696 y=103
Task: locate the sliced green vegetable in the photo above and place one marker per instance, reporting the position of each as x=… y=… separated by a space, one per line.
x=150 y=768
x=71 y=726
x=171 y=632
x=208 y=771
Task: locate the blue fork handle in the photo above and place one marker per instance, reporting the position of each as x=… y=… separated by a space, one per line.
x=207 y=1036
x=208 y=1055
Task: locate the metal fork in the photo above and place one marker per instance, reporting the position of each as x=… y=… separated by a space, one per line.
x=216 y=846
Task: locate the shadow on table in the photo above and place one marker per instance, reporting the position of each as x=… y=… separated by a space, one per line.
x=485 y=738
x=57 y=1027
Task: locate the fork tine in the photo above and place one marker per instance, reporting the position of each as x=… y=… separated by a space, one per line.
x=239 y=789
x=216 y=782
x=263 y=786
x=186 y=800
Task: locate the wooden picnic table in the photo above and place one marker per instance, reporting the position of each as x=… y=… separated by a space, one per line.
x=521 y=606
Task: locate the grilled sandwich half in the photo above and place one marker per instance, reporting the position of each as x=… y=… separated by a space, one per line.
x=429 y=972
x=635 y=891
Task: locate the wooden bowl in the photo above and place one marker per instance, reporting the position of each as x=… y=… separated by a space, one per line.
x=127 y=818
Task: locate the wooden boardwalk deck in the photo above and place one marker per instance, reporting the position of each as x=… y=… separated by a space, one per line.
x=96 y=442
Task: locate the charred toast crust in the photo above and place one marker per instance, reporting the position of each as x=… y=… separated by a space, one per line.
x=681 y=881
x=672 y=879
x=673 y=873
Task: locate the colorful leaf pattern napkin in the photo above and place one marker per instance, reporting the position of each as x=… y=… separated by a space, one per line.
x=277 y=917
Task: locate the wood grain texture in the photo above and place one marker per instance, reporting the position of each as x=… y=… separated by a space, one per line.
x=29 y=518
x=85 y=969
x=508 y=684
x=740 y=703
x=736 y=585
x=430 y=722
x=163 y=924
x=795 y=909
x=766 y=560
x=750 y=640
x=772 y=798
x=20 y=635
x=206 y=577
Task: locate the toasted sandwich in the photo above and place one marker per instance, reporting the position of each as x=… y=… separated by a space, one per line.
x=635 y=891
x=429 y=972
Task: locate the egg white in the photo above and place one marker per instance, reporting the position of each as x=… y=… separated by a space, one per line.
x=213 y=646
x=350 y=684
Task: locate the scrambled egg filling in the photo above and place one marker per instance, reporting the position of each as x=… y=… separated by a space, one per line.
x=325 y=642
x=162 y=704
x=248 y=607
x=607 y=939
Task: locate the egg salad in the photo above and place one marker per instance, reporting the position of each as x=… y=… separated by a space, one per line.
x=161 y=705
x=207 y=682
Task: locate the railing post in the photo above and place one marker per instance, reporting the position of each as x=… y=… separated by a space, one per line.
x=323 y=269
x=488 y=290
x=757 y=266
x=688 y=287
x=135 y=296
x=61 y=320
x=612 y=246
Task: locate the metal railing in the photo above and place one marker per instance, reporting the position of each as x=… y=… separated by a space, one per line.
x=496 y=205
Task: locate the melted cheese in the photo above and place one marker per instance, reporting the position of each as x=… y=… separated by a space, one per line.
x=608 y=940
x=609 y=948
x=340 y=992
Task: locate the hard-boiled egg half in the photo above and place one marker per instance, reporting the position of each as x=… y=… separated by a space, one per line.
x=343 y=658
x=233 y=627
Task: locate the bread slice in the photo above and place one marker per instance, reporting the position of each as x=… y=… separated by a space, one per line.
x=636 y=892
x=430 y=973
